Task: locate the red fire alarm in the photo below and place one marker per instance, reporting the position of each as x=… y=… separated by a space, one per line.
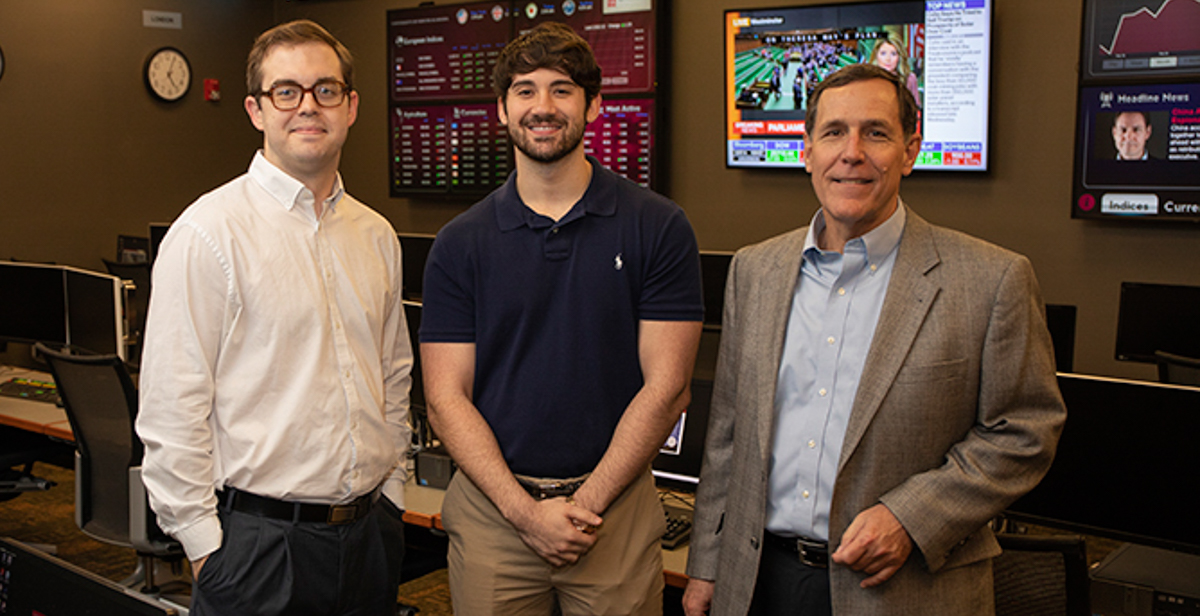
x=212 y=90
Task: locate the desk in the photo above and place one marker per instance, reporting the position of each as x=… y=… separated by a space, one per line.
x=423 y=507
x=31 y=415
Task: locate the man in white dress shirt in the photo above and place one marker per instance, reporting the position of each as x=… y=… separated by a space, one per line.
x=276 y=371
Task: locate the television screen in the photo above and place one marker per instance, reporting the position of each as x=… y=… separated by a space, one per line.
x=1137 y=135
x=445 y=135
x=774 y=58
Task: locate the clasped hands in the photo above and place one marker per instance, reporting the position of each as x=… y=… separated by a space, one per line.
x=558 y=529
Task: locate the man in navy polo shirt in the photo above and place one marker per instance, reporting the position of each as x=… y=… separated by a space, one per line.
x=562 y=315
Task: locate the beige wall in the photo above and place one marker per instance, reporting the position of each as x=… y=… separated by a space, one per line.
x=85 y=154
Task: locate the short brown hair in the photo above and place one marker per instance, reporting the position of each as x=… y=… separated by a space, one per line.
x=294 y=33
x=550 y=45
x=863 y=72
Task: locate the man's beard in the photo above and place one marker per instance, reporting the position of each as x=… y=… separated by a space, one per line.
x=524 y=140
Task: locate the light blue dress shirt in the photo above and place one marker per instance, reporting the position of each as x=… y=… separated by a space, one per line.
x=834 y=313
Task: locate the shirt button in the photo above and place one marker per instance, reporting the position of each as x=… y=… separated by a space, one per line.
x=829 y=340
x=822 y=391
x=842 y=291
x=812 y=444
x=804 y=494
x=874 y=267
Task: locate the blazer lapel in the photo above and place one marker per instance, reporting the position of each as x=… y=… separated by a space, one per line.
x=909 y=296
x=773 y=307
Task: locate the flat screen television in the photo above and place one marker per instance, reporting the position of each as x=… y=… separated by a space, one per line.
x=1137 y=135
x=1125 y=466
x=35 y=584
x=445 y=137
x=1157 y=317
x=775 y=57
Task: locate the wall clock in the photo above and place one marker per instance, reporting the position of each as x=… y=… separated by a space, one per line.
x=168 y=74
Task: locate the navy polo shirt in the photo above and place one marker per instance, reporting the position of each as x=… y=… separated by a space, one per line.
x=553 y=310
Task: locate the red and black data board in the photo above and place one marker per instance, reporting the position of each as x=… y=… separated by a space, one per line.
x=444 y=134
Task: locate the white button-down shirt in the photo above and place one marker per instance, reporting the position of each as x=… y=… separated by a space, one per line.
x=277 y=359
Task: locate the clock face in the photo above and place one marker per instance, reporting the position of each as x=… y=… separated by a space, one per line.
x=168 y=74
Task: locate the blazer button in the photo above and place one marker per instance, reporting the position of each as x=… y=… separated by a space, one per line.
x=754 y=542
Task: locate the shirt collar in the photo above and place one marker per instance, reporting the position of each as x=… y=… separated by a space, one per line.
x=879 y=242
x=598 y=200
x=287 y=190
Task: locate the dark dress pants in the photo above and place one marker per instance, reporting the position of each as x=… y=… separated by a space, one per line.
x=269 y=567
x=786 y=586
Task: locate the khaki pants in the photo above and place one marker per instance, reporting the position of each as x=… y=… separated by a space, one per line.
x=493 y=572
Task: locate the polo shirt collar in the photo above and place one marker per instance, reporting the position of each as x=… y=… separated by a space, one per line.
x=287 y=190
x=598 y=200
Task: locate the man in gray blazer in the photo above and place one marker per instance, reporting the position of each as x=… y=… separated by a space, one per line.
x=885 y=387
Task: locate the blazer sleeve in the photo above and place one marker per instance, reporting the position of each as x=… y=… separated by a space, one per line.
x=711 y=494
x=1018 y=419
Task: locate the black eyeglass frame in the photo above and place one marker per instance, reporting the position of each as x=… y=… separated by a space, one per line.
x=270 y=93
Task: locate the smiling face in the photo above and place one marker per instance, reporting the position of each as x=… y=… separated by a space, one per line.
x=856 y=153
x=305 y=142
x=1130 y=133
x=886 y=56
x=546 y=114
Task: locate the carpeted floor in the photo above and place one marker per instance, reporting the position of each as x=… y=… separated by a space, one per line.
x=47 y=519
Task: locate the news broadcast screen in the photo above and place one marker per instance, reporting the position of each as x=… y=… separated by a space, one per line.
x=1137 y=140
x=774 y=59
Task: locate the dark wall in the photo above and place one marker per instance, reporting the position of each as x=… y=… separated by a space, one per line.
x=86 y=154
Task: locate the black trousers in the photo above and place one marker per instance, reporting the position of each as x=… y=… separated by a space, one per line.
x=268 y=567
x=787 y=586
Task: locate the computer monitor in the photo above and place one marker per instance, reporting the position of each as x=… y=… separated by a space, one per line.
x=158 y=230
x=34 y=304
x=1060 y=320
x=62 y=305
x=35 y=583
x=678 y=462
x=414 y=248
x=1157 y=317
x=714 y=269
x=1125 y=466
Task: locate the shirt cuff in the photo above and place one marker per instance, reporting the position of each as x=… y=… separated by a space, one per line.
x=202 y=538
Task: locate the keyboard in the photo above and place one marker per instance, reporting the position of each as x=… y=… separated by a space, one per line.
x=679 y=530
x=29 y=389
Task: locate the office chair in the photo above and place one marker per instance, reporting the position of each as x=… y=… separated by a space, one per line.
x=110 y=499
x=1177 y=369
x=1042 y=575
x=137 y=303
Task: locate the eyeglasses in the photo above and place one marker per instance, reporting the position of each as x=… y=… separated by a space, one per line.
x=288 y=95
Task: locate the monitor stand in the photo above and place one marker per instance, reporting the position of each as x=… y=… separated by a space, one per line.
x=1137 y=580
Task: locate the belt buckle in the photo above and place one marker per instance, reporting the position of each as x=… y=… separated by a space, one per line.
x=816 y=560
x=341 y=514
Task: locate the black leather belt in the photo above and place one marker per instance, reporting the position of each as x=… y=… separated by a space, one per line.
x=542 y=489
x=262 y=506
x=812 y=553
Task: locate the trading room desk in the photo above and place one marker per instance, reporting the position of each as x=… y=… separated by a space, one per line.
x=32 y=415
x=423 y=506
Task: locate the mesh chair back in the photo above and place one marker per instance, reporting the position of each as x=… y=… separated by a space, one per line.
x=1177 y=369
x=101 y=404
x=1041 y=576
